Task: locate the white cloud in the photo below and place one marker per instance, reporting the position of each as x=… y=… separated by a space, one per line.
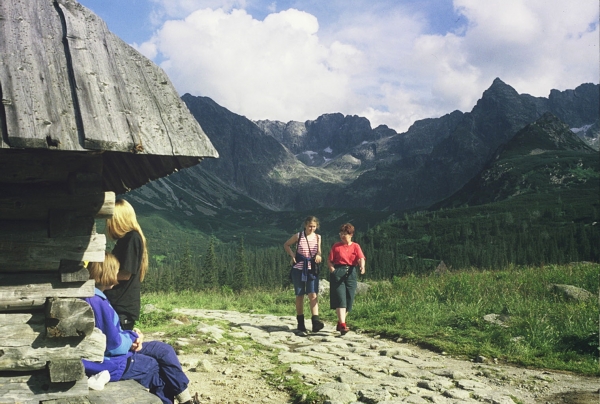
x=271 y=69
x=378 y=62
x=148 y=49
x=532 y=45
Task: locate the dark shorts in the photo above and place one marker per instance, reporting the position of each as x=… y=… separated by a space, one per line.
x=342 y=287
x=303 y=288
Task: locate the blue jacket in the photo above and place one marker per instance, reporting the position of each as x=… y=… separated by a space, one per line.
x=118 y=341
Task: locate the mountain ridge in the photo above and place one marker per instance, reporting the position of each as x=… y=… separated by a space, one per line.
x=340 y=163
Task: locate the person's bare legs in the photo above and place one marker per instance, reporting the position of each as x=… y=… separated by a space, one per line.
x=300 y=305
x=341 y=315
x=313 y=301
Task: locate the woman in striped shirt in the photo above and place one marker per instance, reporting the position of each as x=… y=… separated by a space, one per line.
x=304 y=271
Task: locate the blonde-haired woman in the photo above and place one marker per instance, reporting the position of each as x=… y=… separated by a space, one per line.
x=132 y=254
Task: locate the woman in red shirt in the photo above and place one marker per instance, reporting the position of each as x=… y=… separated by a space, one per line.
x=345 y=260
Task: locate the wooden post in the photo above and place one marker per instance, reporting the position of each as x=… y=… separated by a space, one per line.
x=73 y=271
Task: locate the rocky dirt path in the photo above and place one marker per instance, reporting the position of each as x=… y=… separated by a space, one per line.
x=231 y=357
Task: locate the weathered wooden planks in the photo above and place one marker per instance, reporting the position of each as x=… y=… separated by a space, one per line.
x=123 y=392
x=35 y=203
x=37 y=387
x=35 y=78
x=43 y=166
x=68 y=318
x=73 y=271
x=127 y=102
x=46 y=253
x=93 y=92
x=26 y=347
x=69 y=370
x=30 y=291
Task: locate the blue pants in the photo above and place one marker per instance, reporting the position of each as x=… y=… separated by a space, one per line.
x=157 y=368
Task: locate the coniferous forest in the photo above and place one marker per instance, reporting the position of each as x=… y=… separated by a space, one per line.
x=526 y=231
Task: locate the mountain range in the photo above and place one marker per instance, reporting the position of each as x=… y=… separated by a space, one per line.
x=270 y=172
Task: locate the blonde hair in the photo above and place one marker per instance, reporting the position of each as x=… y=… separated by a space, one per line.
x=122 y=222
x=105 y=273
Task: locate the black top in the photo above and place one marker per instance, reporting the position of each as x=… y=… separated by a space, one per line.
x=125 y=297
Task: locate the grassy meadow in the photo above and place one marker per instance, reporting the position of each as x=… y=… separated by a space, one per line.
x=444 y=312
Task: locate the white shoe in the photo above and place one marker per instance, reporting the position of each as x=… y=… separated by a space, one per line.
x=99 y=380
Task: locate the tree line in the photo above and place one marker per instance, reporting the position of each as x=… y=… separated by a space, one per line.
x=415 y=244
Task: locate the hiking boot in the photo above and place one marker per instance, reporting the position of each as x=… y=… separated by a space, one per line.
x=301 y=326
x=317 y=325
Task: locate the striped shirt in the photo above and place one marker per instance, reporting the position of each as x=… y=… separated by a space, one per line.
x=303 y=245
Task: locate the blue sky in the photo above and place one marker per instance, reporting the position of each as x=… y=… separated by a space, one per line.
x=392 y=61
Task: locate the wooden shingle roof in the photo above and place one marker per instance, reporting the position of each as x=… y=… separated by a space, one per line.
x=68 y=84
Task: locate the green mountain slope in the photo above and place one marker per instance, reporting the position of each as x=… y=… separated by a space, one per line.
x=545 y=157
x=536 y=203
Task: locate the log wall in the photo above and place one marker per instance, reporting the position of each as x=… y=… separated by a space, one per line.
x=49 y=202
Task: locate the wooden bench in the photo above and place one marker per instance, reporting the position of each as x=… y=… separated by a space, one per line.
x=123 y=392
x=36 y=388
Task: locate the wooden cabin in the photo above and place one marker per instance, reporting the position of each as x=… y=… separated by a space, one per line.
x=84 y=117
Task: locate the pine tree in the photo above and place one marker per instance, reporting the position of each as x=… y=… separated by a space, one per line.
x=210 y=270
x=240 y=278
x=185 y=276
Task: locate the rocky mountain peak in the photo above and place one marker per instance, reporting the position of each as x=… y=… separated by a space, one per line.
x=546 y=134
x=499 y=94
x=576 y=107
x=315 y=142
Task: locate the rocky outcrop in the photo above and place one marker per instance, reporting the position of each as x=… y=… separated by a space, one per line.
x=570 y=292
x=330 y=135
